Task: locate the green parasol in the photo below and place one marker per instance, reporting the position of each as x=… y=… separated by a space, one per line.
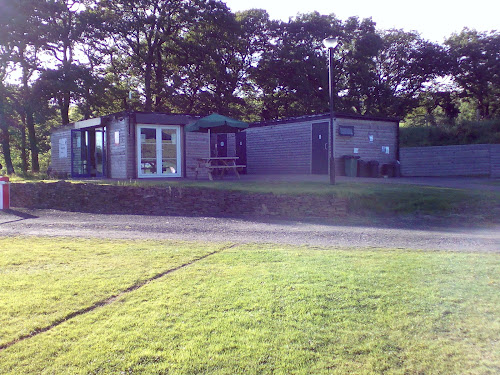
x=216 y=123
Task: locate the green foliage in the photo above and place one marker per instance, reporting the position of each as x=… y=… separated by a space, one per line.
x=83 y=58
x=461 y=133
x=253 y=309
x=476 y=65
x=292 y=73
x=404 y=65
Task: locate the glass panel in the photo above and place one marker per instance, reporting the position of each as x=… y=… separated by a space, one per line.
x=99 y=152
x=79 y=151
x=148 y=151
x=169 y=151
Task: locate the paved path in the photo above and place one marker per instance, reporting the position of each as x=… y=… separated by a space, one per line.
x=405 y=235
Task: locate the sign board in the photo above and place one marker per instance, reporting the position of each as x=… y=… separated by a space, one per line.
x=63 y=148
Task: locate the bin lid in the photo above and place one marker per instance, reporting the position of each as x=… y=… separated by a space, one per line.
x=6 y=179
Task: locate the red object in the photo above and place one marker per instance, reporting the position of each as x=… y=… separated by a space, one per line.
x=4 y=193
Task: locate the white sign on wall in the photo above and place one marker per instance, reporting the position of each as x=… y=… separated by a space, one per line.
x=63 y=148
x=117 y=137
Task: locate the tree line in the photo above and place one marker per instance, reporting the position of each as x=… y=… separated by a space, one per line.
x=67 y=60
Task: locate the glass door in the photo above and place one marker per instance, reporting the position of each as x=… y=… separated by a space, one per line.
x=158 y=151
x=100 y=152
x=88 y=152
x=147 y=154
x=169 y=155
x=79 y=154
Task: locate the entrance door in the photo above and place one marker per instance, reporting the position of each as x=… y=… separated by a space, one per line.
x=241 y=149
x=88 y=152
x=100 y=153
x=319 y=162
x=218 y=145
x=158 y=151
x=80 y=155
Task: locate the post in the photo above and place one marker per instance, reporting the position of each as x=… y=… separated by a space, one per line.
x=4 y=193
x=331 y=128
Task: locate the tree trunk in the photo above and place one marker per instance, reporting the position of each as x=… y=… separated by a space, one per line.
x=159 y=82
x=30 y=124
x=64 y=105
x=147 y=88
x=24 y=154
x=5 y=138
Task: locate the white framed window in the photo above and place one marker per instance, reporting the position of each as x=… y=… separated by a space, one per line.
x=158 y=151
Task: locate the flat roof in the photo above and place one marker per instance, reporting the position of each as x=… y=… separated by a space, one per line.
x=323 y=116
x=140 y=117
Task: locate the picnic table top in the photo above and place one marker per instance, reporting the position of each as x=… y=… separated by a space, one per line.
x=221 y=158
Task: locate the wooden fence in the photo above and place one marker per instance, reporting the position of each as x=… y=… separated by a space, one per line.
x=463 y=160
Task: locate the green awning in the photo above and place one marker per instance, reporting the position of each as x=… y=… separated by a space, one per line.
x=216 y=124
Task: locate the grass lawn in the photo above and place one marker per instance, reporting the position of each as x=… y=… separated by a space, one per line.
x=44 y=280
x=250 y=309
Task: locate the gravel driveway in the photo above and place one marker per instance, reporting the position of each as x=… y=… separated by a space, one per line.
x=396 y=234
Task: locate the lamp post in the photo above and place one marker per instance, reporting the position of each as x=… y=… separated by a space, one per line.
x=331 y=44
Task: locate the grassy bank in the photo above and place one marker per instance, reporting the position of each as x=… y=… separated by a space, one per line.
x=363 y=198
x=255 y=309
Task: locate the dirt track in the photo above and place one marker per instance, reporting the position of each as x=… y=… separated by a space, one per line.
x=404 y=234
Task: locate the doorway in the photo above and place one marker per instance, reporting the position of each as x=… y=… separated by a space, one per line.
x=241 y=149
x=158 y=151
x=319 y=152
x=88 y=152
x=218 y=145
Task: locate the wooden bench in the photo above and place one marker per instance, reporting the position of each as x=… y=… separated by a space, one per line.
x=222 y=169
x=225 y=166
x=219 y=164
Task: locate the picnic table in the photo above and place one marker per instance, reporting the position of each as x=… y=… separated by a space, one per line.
x=218 y=166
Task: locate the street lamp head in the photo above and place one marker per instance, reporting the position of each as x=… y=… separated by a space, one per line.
x=330 y=42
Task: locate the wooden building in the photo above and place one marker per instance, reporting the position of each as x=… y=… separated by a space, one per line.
x=300 y=145
x=130 y=145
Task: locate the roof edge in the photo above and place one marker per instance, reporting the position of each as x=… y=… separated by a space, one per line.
x=321 y=117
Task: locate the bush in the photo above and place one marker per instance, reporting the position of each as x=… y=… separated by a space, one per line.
x=466 y=132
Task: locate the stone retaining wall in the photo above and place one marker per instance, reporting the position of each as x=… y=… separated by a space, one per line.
x=155 y=200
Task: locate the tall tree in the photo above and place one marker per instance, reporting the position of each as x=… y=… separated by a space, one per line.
x=139 y=29
x=476 y=69
x=4 y=128
x=20 y=20
x=63 y=33
x=405 y=64
x=5 y=58
x=292 y=75
x=213 y=62
x=354 y=63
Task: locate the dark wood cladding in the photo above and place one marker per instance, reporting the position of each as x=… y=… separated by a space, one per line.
x=276 y=149
x=162 y=119
x=286 y=148
x=459 y=160
x=60 y=164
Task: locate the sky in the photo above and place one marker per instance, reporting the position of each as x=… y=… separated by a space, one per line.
x=435 y=20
